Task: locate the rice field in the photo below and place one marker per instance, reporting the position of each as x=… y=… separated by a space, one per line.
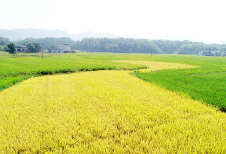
x=109 y=111
x=156 y=66
x=105 y=112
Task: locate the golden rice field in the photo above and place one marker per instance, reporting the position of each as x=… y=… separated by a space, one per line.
x=105 y=112
x=154 y=66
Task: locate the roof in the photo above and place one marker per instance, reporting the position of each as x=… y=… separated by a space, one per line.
x=20 y=46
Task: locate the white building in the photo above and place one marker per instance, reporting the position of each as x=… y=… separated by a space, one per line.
x=62 y=48
x=211 y=53
x=203 y=53
x=21 y=48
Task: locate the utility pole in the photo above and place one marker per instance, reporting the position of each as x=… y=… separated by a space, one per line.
x=42 y=51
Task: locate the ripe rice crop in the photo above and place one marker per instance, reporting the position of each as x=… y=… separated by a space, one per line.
x=105 y=112
x=153 y=66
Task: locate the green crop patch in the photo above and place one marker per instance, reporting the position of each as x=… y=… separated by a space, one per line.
x=10 y=81
x=209 y=87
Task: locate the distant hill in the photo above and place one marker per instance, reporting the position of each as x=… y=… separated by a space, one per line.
x=21 y=34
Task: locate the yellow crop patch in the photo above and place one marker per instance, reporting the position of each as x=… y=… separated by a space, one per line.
x=153 y=66
x=105 y=112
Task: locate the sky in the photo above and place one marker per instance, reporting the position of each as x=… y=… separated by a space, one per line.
x=195 y=20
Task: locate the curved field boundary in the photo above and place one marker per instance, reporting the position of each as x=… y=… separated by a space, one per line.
x=105 y=112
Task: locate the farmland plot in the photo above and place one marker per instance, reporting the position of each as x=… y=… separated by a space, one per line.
x=105 y=112
x=153 y=66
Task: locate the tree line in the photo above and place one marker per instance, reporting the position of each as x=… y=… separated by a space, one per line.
x=116 y=45
x=129 y=45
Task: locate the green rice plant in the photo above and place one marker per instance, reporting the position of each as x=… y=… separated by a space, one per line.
x=210 y=87
x=10 y=81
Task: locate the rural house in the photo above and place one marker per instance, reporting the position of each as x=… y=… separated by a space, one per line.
x=62 y=48
x=211 y=53
x=21 y=48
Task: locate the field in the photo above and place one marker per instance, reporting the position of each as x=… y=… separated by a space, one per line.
x=112 y=111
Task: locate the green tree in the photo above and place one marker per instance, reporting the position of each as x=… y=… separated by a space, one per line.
x=1 y=48
x=30 y=47
x=4 y=41
x=6 y=48
x=38 y=47
x=12 y=48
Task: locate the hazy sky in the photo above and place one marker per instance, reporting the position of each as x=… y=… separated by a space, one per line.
x=196 y=20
